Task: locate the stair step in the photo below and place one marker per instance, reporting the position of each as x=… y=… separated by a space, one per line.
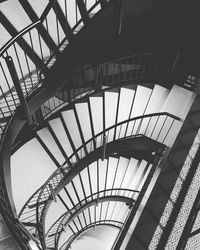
x=124 y=110
x=50 y=143
x=96 y=104
x=102 y=173
x=112 y=166
x=110 y=102
x=137 y=179
x=59 y=130
x=71 y=123
x=129 y=174
x=140 y=105
x=121 y=171
x=84 y=118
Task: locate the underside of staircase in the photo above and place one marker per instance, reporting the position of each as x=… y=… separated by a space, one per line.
x=102 y=135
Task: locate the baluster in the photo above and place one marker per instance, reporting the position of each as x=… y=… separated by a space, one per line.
x=16 y=82
x=47 y=28
x=161 y=127
x=120 y=131
x=133 y=127
x=154 y=127
x=40 y=45
x=146 y=130
x=168 y=130
x=29 y=70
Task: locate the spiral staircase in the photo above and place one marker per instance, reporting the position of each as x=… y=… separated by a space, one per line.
x=102 y=131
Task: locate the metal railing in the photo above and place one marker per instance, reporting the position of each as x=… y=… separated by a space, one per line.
x=62 y=99
x=144 y=67
x=112 y=223
x=53 y=234
x=33 y=53
x=156 y=126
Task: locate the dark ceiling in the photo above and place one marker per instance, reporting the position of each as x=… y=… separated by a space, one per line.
x=170 y=25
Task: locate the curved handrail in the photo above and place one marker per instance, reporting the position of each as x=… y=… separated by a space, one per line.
x=39 y=21
x=42 y=61
x=137 y=57
x=3 y=50
x=60 y=171
x=63 y=104
x=127 y=121
x=91 y=225
x=83 y=203
x=117 y=60
x=29 y=27
x=107 y=129
x=35 y=195
x=20 y=34
x=140 y=61
x=39 y=61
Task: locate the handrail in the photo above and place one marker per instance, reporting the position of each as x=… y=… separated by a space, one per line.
x=102 y=132
x=141 y=54
x=20 y=34
x=36 y=61
x=39 y=21
x=98 y=223
x=40 y=201
x=78 y=74
x=126 y=121
x=71 y=100
x=76 y=207
x=118 y=124
x=94 y=194
x=116 y=60
x=41 y=61
x=90 y=140
x=28 y=28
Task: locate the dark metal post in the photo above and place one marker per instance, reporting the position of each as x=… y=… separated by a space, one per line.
x=157 y=162
x=104 y=147
x=119 y=16
x=14 y=76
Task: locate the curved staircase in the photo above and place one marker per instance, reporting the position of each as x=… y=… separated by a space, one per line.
x=103 y=123
x=99 y=123
x=115 y=184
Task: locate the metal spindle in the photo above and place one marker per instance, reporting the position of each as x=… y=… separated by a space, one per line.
x=20 y=68
x=4 y=97
x=57 y=29
x=10 y=89
x=154 y=126
x=168 y=130
x=16 y=82
x=147 y=126
x=29 y=71
x=32 y=47
x=47 y=28
x=161 y=127
x=40 y=45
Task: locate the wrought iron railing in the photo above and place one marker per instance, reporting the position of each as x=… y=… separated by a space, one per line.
x=33 y=55
x=156 y=126
x=62 y=99
x=145 y=68
x=53 y=234
x=113 y=223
